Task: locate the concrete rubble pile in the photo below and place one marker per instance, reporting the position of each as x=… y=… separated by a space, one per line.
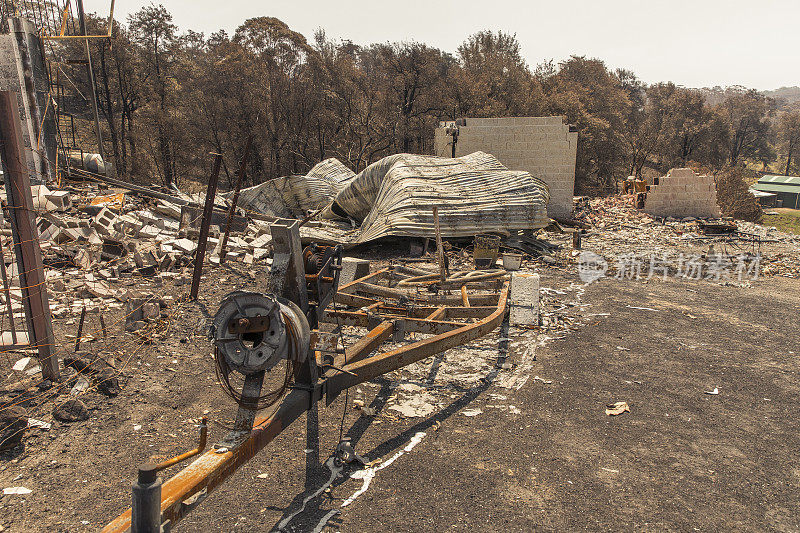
x=616 y=229
x=96 y=241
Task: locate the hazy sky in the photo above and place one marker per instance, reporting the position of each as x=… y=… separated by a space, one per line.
x=696 y=43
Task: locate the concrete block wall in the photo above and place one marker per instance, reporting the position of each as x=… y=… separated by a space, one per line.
x=683 y=193
x=543 y=146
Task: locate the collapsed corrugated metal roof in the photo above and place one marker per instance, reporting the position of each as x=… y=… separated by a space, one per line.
x=474 y=193
x=395 y=196
x=296 y=196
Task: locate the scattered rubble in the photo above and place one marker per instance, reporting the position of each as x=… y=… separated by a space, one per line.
x=111 y=250
x=615 y=228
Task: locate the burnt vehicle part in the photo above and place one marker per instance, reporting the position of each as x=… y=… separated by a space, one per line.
x=377 y=302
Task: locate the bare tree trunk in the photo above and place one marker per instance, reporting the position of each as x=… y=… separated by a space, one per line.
x=789 y=160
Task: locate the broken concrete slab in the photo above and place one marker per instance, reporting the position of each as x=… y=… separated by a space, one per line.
x=183 y=245
x=138 y=310
x=168 y=209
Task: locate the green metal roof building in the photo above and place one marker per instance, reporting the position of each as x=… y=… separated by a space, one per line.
x=786 y=188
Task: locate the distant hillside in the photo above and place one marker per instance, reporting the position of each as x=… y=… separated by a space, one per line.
x=790 y=95
x=784 y=97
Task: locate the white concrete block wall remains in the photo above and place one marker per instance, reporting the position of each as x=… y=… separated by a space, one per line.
x=543 y=146
x=683 y=193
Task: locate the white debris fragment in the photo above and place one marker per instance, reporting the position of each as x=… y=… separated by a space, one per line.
x=641 y=308
x=335 y=471
x=16 y=491
x=21 y=364
x=420 y=405
x=81 y=384
x=41 y=424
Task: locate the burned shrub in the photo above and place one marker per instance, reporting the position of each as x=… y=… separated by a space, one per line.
x=733 y=196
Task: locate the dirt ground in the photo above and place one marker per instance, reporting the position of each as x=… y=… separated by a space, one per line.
x=517 y=438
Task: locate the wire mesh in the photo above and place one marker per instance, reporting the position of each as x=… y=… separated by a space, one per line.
x=93 y=348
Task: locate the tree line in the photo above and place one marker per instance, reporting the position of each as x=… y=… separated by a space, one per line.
x=166 y=99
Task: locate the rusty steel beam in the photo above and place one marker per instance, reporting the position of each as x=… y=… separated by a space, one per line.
x=205 y=225
x=214 y=466
x=417 y=311
x=446 y=299
x=437 y=314
x=353 y=300
x=366 y=344
x=464 y=296
x=372 y=367
x=419 y=325
x=468 y=312
x=345 y=289
x=26 y=237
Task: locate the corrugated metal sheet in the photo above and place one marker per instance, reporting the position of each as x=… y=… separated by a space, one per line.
x=474 y=194
x=777 y=187
x=332 y=170
x=785 y=180
x=395 y=196
x=760 y=194
x=296 y=196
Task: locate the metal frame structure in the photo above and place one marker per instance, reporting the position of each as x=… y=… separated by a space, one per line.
x=65 y=16
x=378 y=302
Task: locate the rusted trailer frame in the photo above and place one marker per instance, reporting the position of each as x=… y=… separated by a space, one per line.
x=357 y=364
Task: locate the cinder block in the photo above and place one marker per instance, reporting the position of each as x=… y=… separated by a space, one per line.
x=524 y=298
x=61 y=200
x=352 y=269
x=104 y=222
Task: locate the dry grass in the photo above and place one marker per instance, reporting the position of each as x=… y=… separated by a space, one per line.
x=785 y=219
